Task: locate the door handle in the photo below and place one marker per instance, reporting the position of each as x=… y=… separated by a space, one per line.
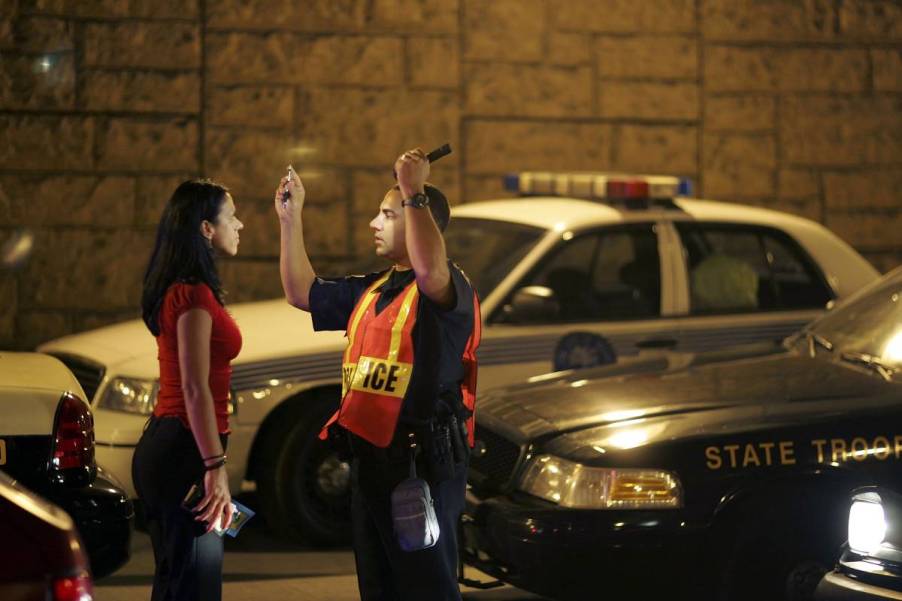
x=653 y=343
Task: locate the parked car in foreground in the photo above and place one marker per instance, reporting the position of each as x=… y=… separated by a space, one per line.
x=683 y=474
x=42 y=557
x=47 y=444
x=622 y=258
x=870 y=566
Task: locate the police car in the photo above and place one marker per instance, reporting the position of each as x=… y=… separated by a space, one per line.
x=47 y=444
x=584 y=269
x=724 y=472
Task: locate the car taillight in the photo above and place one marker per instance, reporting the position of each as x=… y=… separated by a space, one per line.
x=75 y=588
x=72 y=460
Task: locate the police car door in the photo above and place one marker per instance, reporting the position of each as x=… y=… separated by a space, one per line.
x=594 y=297
x=743 y=283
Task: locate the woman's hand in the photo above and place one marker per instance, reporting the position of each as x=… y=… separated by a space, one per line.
x=288 y=208
x=217 y=503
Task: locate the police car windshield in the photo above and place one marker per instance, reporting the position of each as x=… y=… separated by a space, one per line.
x=870 y=325
x=487 y=250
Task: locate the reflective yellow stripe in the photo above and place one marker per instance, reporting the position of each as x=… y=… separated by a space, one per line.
x=400 y=321
x=378 y=376
x=361 y=309
x=347 y=372
x=349 y=368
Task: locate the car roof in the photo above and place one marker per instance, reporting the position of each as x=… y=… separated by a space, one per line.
x=573 y=213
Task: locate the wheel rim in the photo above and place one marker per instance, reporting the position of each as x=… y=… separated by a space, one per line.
x=322 y=490
x=803 y=579
x=333 y=476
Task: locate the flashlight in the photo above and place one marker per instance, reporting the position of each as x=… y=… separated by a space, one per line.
x=433 y=155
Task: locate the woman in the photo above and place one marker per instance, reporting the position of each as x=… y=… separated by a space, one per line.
x=184 y=441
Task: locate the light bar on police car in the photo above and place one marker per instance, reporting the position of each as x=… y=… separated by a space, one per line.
x=601 y=186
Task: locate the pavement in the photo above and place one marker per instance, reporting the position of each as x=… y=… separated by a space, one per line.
x=258 y=566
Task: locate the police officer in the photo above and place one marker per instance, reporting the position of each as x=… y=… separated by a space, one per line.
x=409 y=374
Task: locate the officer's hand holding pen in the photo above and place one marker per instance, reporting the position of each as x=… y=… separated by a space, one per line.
x=289 y=198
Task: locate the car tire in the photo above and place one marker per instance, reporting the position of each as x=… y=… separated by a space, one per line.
x=304 y=487
x=776 y=555
x=762 y=569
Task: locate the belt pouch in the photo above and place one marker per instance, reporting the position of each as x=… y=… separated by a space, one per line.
x=413 y=512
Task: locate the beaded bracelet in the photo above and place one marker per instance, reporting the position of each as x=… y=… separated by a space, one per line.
x=215 y=466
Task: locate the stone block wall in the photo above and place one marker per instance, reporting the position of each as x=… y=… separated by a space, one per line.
x=105 y=105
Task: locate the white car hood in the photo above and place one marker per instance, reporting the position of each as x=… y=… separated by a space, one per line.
x=269 y=329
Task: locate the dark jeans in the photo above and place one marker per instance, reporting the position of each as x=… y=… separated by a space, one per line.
x=188 y=561
x=384 y=571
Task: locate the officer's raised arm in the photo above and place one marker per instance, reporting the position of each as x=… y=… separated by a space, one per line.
x=425 y=245
x=295 y=268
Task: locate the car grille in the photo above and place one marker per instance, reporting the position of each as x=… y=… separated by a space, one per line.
x=88 y=374
x=494 y=461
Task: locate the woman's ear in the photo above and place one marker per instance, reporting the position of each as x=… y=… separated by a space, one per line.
x=206 y=229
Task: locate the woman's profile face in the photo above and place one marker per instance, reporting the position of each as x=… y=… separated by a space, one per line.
x=226 y=228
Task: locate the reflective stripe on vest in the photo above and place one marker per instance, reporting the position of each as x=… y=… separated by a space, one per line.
x=468 y=387
x=377 y=374
x=378 y=363
x=347 y=365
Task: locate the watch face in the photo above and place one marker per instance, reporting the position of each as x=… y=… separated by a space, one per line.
x=418 y=201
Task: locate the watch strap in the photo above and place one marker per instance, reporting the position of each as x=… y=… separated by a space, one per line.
x=417 y=201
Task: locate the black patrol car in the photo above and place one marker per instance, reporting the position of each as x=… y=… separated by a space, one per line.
x=721 y=475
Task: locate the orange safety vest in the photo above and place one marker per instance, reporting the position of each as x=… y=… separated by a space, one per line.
x=378 y=363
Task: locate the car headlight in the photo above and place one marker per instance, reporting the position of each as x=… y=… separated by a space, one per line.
x=130 y=395
x=867 y=524
x=571 y=484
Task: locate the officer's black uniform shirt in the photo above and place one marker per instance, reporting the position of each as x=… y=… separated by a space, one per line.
x=439 y=336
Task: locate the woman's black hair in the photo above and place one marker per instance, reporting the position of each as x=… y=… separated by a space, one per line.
x=181 y=253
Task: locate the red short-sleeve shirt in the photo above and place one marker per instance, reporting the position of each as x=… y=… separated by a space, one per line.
x=225 y=342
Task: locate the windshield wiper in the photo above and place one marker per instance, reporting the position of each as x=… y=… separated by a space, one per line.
x=817 y=339
x=872 y=363
x=812 y=341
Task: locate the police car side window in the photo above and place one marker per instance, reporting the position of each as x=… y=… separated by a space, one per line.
x=734 y=268
x=601 y=276
x=627 y=274
x=797 y=282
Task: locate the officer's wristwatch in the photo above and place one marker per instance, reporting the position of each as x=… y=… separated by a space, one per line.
x=417 y=201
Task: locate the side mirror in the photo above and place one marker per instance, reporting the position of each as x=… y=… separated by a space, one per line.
x=532 y=304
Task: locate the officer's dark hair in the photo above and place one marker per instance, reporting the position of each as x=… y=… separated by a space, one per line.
x=438 y=206
x=181 y=253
